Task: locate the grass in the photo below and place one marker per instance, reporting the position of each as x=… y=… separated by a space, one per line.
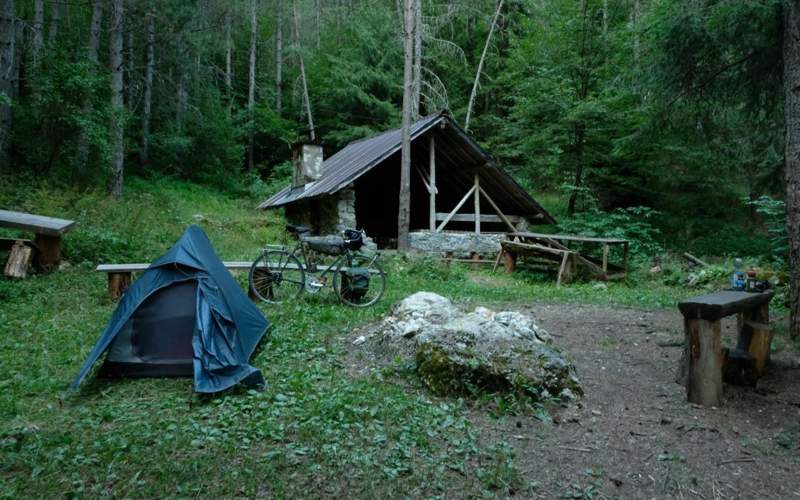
x=314 y=431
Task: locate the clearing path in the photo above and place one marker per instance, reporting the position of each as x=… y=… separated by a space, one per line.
x=634 y=434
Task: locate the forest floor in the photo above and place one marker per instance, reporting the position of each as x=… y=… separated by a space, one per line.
x=633 y=434
x=318 y=429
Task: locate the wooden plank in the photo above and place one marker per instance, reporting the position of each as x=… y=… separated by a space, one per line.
x=460 y=204
x=717 y=305
x=571 y=237
x=432 y=174
x=233 y=265
x=471 y=217
x=477 y=204
x=533 y=248
x=38 y=224
x=497 y=209
x=704 y=356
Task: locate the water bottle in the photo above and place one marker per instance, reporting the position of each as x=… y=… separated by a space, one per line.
x=738 y=280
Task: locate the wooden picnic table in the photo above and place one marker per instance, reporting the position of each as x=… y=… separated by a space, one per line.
x=705 y=363
x=48 y=231
x=555 y=248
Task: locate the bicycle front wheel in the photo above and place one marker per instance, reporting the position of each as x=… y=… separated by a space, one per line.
x=276 y=276
x=351 y=285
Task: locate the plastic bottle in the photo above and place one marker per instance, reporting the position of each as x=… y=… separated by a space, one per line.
x=738 y=280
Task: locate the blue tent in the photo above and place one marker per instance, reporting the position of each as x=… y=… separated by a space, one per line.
x=184 y=316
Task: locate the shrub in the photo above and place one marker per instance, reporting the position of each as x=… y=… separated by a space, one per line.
x=633 y=224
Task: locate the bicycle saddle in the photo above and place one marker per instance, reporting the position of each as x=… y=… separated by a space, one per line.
x=298 y=229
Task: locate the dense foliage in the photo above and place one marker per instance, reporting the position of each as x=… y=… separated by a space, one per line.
x=613 y=103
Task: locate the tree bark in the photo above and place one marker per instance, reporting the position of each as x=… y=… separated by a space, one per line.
x=417 y=71
x=117 y=101
x=279 y=59
x=8 y=39
x=148 y=87
x=38 y=29
x=55 y=20
x=791 y=106
x=297 y=48
x=251 y=89
x=404 y=202
x=474 y=91
x=130 y=87
x=228 y=53
x=92 y=55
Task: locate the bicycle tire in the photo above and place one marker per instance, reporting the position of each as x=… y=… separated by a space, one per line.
x=276 y=276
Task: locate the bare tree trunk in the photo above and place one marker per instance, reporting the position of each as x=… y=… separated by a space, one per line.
x=404 y=202
x=94 y=31
x=251 y=90
x=279 y=59
x=148 y=87
x=38 y=29
x=791 y=106
x=417 y=71
x=117 y=102
x=474 y=91
x=92 y=55
x=297 y=48
x=228 y=53
x=130 y=87
x=8 y=42
x=55 y=20
x=181 y=95
x=318 y=22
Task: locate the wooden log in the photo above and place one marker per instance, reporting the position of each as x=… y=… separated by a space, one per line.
x=509 y=261
x=475 y=257
x=432 y=195
x=118 y=284
x=19 y=260
x=561 y=269
x=605 y=260
x=49 y=255
x=694 y=260
x=760 y=338
x=705 y=357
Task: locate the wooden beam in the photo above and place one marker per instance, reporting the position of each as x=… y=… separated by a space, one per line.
x=477 y=204
x=497 y=209
x=423 y=178
x=432 y=175
x=704 y=356
x=561 y=269
x=605 y=259
x=458 y=207
x=440 y=216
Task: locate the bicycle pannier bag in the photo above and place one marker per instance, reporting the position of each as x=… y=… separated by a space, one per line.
x=355 y=283
x=355 y=239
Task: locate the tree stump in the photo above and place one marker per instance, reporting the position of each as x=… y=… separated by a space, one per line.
x=705 y=357
x=118 y=284
x=475 y=257
x=19 y=260
x=49 y=255
x=509 y=261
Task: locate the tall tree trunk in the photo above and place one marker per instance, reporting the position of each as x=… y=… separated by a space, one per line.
x=92 y=54
x=251 y=89
x=148 y=87
x=181 y=94
x=298 y=50
x=404 y=201
x=38 y=29
x=318 y=22
x=279 y=59
x=8 y=39
x=474 y=91
x=791 y=111
x=416 y=89
x=131 y=86
x=117 y=102
x=228 y=53
x=55 y=20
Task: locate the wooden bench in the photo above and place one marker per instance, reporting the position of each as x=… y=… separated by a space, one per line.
x=48 y=232
x=705 y=362
x=120 y=276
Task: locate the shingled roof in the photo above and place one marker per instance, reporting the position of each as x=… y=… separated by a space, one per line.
x=359 y=157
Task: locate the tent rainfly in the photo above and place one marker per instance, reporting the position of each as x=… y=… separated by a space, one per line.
x=185 y=316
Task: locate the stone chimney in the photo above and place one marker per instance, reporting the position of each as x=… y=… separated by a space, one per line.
x=307 y=161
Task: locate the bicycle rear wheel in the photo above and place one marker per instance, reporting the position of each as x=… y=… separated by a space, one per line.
x=359 y=296
x=276 y=276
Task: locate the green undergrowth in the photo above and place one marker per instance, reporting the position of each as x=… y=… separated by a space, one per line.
x=314 y=431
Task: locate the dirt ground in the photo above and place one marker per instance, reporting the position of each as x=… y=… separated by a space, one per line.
x=634 y=435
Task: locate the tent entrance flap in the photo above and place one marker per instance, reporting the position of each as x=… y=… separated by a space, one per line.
x=157 y=338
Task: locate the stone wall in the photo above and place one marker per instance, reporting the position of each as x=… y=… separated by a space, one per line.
x=461 y=244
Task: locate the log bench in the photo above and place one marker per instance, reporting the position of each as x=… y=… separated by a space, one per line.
x=48 y=231
x=120 y=276
x=705 y=362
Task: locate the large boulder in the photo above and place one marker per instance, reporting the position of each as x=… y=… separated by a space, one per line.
x=461 y=353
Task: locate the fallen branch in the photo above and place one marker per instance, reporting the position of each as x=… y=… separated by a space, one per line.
x=737 y=460
x=582 y=450
x=694 y=260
